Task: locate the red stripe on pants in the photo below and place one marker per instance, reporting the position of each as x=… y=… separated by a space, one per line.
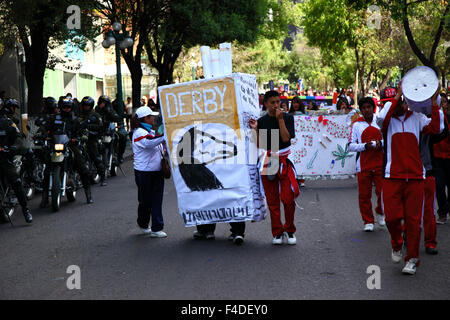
x=280 y=188
x=429 y=219
x=403 y=199
x=365 y=180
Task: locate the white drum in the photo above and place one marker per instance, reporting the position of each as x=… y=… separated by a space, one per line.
x=419 y=85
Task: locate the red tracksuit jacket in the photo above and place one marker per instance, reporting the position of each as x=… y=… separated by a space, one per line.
x=401 y=141
x=362 y=133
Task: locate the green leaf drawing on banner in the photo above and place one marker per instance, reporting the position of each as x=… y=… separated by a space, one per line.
x=341 y=154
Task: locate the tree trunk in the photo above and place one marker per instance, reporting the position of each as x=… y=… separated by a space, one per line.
x=165 y=76
x=355 y=96
x=356 y=76
x=36 y=56
x=136 y=78
x=134 y=65
x=385 y=79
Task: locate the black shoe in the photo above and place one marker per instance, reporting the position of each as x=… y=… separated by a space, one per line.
x=89 y=197
x=430 y=250
x=120 y=160
x=199 y=235
x=27 y=214
x=238 y=240
x=210 y=236
x=103 y=183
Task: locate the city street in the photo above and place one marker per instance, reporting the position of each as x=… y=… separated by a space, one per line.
x=116 y=261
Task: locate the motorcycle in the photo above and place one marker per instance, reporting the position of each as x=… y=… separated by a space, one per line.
x=40 y=149
x=8 y=200
x=29 y=173
x=108 y=150
x=94 y=175
x=63 y=179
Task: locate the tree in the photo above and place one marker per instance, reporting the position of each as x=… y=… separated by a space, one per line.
x=39 y=24
x=188 y=23
x=263 y=55
x=432 y=15
x=133 y=17
x=334 y=27
x=342 y=25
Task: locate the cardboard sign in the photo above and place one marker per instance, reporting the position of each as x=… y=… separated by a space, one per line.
x=213 y=155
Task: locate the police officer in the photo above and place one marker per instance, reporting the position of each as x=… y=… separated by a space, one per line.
x=11 y=144
x=92 y=122
x=66 y=121
x=105 y=110
x=49 y=109
x=10 y=106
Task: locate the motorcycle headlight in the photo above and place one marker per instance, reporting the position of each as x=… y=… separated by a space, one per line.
x=59 y=147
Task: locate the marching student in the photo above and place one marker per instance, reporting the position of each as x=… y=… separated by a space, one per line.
x=367 y=141
x=147 y=170
x=441 y=166
x=282 y=184
x=428 y=159
x=404 y=173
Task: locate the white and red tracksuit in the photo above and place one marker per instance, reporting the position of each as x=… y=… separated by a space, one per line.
x=404 y=173
x=369 y=166
x=285 y=188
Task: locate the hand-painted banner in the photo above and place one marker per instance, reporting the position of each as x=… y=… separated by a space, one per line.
x=212 y=152
x=320 y=146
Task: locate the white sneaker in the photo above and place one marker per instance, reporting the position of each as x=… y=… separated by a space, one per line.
x=146 y=231
x=291 y=239
x=396 y=256
x=158 y=234
x=277 y=240
x=368 y=227
x=410 y=267
x=238 y=240
x=381 y=220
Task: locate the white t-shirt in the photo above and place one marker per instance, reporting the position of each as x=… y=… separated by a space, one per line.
x=129 y=108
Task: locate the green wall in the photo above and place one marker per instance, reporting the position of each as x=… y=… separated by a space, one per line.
x=86 y=86
x=53 y=83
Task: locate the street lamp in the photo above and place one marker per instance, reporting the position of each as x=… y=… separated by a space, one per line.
x=124 y=41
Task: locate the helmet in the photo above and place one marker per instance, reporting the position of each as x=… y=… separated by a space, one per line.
x=65 y=103
x=50 y=105
x=9 y=106
x=105 y=99
x=87 y=101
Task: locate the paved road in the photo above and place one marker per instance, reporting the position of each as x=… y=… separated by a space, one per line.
x=117 y=262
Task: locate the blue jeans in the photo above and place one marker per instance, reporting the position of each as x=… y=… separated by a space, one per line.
x=150 y=196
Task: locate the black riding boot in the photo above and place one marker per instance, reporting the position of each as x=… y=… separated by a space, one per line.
x=20 y=194
x=88 y=196
x=103 y=178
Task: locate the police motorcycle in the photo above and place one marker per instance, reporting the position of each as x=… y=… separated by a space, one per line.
x=63 y=178
x=41 y=148
x=108 y=150
x=8 y=200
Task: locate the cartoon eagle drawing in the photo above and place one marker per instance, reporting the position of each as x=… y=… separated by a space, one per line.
x=193 y=156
